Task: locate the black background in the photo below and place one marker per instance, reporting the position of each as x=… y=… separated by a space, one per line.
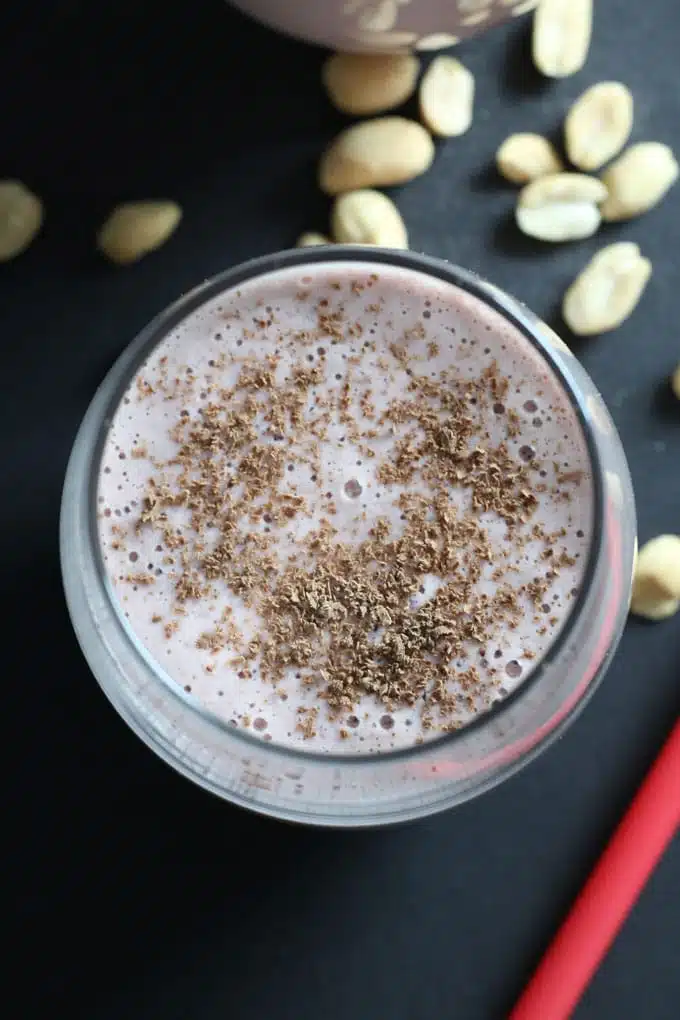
x=133 y=894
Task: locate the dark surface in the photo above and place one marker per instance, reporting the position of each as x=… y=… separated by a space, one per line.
x=133 y=894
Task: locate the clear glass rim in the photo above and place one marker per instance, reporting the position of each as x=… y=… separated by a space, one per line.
x=511 y=309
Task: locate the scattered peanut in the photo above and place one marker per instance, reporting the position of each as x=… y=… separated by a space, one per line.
x=21 y=216
x=598 y=125
x=525 y=157
x=644 y=603
x=606 y=292
x=135 y=229
x=656 y=580
x=376 y=153
x=368 y=217
x=447 y=94
x=363 y=83
x=560 y=207
x=675 y=382
x=638 y=180
x=310 y=239
x=561 y=36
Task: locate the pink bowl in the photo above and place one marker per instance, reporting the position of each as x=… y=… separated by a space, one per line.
x=385 y=26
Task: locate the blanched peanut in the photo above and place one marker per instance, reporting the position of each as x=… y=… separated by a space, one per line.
x=525 y=157
x=638 y=180
x=136 y=228
x=367 y=83
x=560 y=207
x=21 y=217
x=375 y=154
x=561 y=36
x=607 y=291
x=598 y=125
x=656 y=580
x=311 y=239
x=446 y=97
x=368 y=217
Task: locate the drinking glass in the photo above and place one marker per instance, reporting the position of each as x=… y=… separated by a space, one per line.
x=353 y=789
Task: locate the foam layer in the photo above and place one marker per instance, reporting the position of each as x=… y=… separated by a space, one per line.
x=394 y=323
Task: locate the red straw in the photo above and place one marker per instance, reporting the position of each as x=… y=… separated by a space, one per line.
x=609 y=894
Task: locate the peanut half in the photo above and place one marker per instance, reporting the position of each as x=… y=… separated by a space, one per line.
x=675 y=382
x=606 y=292
x=560 y=207
x=368 y=217
x=364 y=83
x=638 y=180
x=447 y=94
x=561 y=36
x=656 y=579
x=136 y=228
x=525 y=157
x=21 y=217
x=376 y=153
x=598 y=125
x=310 y=239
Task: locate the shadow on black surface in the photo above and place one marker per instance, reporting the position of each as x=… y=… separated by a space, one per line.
x=116 y=856
x=507 y=239
x=155 y=92
x=519 y=76
x=300 y=189
x=664 y=402
x=555 y=320
x=119 y=846
x=488 y=179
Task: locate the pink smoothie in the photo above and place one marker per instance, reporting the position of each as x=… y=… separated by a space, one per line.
x=294 y=396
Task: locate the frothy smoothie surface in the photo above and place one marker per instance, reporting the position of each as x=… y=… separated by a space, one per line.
x=345 y=506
